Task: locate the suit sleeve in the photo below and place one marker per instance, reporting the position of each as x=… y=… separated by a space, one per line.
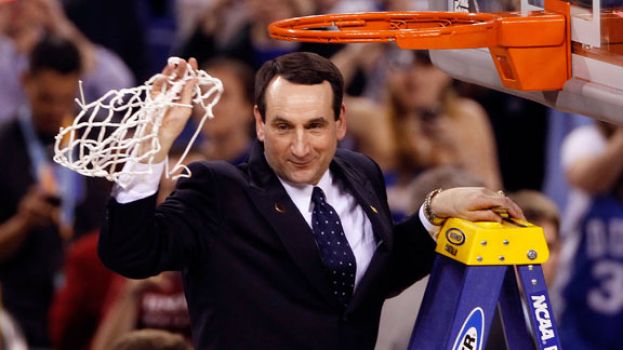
x=412 y=256
x=139 y=240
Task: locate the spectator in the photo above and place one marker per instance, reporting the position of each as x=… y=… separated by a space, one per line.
x=126 y=35
x=30 y=20
x=428 y=126
x=44 y=205
x=78 y=305
x=249 y=42
x=230 y=134
x=512 y=118
x=592 y=258
x=157 y=302
x=559 y=125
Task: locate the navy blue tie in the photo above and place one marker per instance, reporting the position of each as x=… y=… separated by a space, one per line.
x=336 y=254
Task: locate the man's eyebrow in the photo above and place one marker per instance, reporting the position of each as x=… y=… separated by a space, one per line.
x=278 y=119
x=317 y=120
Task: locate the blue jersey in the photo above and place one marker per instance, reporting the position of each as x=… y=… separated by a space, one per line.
x=593 y=317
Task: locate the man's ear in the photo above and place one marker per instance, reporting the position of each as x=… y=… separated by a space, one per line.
x=340 y=124
x=259 y=124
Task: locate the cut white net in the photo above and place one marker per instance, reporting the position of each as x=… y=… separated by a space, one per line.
x=115 y=128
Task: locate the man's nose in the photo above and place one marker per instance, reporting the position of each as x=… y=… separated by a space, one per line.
x=300 y=147
x=56 y=114
x=60 y=106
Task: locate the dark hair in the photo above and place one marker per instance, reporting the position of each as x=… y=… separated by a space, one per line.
x=536 y=207
x=241 y=70
x=299 y=68
x=57 y=54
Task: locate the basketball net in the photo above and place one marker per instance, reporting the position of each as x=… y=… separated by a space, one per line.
x=116 y=128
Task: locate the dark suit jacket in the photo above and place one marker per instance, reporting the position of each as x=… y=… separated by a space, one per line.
x=252 y=272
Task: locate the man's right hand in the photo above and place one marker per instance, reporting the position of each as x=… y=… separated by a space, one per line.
x=176 y=116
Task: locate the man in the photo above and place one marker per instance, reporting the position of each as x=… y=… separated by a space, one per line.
x=592 y=254
x=43 y=204
x=229 y=138
x=294 y=249
x=23 y=24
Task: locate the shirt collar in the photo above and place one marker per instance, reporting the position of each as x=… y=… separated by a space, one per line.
x=301 y=194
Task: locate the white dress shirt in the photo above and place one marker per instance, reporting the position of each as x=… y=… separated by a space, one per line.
x=355 y=222
x=356 y=225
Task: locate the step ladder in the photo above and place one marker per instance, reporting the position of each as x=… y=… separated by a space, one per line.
x=475 y=270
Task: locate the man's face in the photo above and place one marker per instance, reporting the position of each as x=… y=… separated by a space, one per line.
x=300 y=133
x=51 y=98
x=232 y=110
x=416 y=85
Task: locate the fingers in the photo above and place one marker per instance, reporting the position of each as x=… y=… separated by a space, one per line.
x=170 y=72
x=514 y=210
x=180 y=69
x=484 y=215
x=188 y=91
x=505 y=206
x=161 y=82
x=193 y=63
x=475 y=204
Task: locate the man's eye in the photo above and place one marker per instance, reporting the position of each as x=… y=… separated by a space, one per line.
x=282 y=126
x=315 y=126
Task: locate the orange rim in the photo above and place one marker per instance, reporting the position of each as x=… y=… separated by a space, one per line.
x=480 y=28
x=518 y=44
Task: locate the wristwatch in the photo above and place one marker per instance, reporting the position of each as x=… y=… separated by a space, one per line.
x=428 y=211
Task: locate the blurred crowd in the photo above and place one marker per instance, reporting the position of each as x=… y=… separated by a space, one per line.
x=423 y=128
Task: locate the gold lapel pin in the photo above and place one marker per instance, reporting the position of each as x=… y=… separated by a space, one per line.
x=374 y=209
x=279 y=207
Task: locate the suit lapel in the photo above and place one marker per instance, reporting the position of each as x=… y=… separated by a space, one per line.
x=360 y=187
x=273 y=202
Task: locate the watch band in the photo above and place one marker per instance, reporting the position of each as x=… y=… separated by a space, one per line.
x=428 y=211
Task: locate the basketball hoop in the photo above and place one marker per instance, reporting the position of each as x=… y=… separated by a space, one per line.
x=530 y=52
x=410 y=30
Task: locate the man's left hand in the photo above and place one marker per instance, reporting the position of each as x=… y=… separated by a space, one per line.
x=474 y=204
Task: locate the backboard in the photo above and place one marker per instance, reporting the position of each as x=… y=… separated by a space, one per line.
x=595 y=86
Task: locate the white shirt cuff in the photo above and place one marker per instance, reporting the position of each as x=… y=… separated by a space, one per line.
x=433 y=230
x=138 y=186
